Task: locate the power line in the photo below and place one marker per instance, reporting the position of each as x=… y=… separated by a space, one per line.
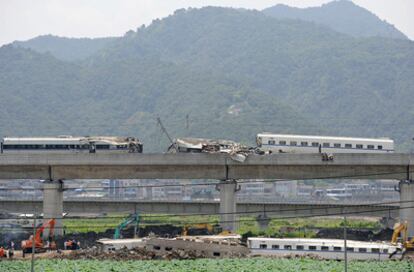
x=217 y=182
x=377 y=204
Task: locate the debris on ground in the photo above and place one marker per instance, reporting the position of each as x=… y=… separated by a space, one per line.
x=126 y=254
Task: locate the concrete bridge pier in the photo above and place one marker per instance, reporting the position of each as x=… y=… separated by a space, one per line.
x=228 y=216
x=406 y=189
x=53 y=205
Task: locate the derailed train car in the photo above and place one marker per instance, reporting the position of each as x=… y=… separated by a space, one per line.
x=237 y=151
x=71 y=144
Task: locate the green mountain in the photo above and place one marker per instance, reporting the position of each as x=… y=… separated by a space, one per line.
x=234 y=73
x=342 y=16
x=68 y=49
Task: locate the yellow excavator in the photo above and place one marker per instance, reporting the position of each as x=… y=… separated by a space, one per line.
x=203 y=229
x=400 y=229
x=198 y=229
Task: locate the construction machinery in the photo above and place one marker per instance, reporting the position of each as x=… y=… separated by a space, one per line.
x=71 y=244
x=400 y=229
x=131 y=219
x=39 y=245
x=4 y=253
x=202 y=229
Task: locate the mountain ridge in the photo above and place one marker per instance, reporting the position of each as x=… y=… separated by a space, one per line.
x=236 y=73
x=343 y=16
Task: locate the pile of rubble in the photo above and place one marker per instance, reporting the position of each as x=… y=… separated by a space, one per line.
x=126 y=254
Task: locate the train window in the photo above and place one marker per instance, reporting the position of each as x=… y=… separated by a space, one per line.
x=282 y=142
x=385 y=250
x=337 y=145
x=375 y=250
x=380 y=147
x=275 y=246
x=271 y=142
x=168 y=248
x=362 y=250
x=288 y=247
x=349 y=249
x=298 y=247
x=102 y=147
x=293 y=143
x=157 y=247
x=312 y=247
x=348 y=145
x=304 y=143
x=337 y=248
x=370 y=146
x=324 y=248
x=315 y=144
x=263 y=246
x=359 y=146
x=326 y=144
x=216 y=254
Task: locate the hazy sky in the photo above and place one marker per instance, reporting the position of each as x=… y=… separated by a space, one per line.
x=25 y=19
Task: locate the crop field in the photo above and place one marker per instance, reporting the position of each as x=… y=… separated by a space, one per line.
x=300 y=227
x=219 y=265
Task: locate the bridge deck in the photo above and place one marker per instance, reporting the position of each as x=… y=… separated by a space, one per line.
x=205 y=166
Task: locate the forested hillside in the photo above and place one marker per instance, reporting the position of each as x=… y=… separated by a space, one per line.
x=342 y=16
x=68 y=49
x=233 y=72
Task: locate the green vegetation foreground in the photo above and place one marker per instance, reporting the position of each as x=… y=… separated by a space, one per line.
x=222 y=265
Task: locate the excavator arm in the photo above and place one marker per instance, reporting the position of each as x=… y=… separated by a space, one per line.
x=38 y=243
x=399 y=228
x=133 y=218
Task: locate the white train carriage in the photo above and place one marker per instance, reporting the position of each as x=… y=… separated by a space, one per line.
x=326 y=248
x=68 y=144
x=283 y=143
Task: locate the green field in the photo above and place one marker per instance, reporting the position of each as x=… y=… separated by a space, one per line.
x=301 y=227
x=219 y=265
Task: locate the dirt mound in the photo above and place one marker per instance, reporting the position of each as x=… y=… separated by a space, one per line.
x=17 y=235
x=88 y=239
x=126 y=254
x=383 y=235
x=355 y=234
x=352 y=234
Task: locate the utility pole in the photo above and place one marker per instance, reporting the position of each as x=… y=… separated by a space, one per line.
x=187 y=121
x=345 y=249
x=166 y=133
x=33 y=243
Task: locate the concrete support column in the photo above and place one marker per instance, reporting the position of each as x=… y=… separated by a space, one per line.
x=407 y=201
x=53 y=205
x=228 y=216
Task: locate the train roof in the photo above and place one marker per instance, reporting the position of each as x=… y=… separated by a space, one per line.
x=310 y=137
x=324 y=242
x=107 y=241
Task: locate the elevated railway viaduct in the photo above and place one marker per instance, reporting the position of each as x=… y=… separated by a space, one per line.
x=56 y=168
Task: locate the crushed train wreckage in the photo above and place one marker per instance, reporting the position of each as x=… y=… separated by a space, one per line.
x=237 y=151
